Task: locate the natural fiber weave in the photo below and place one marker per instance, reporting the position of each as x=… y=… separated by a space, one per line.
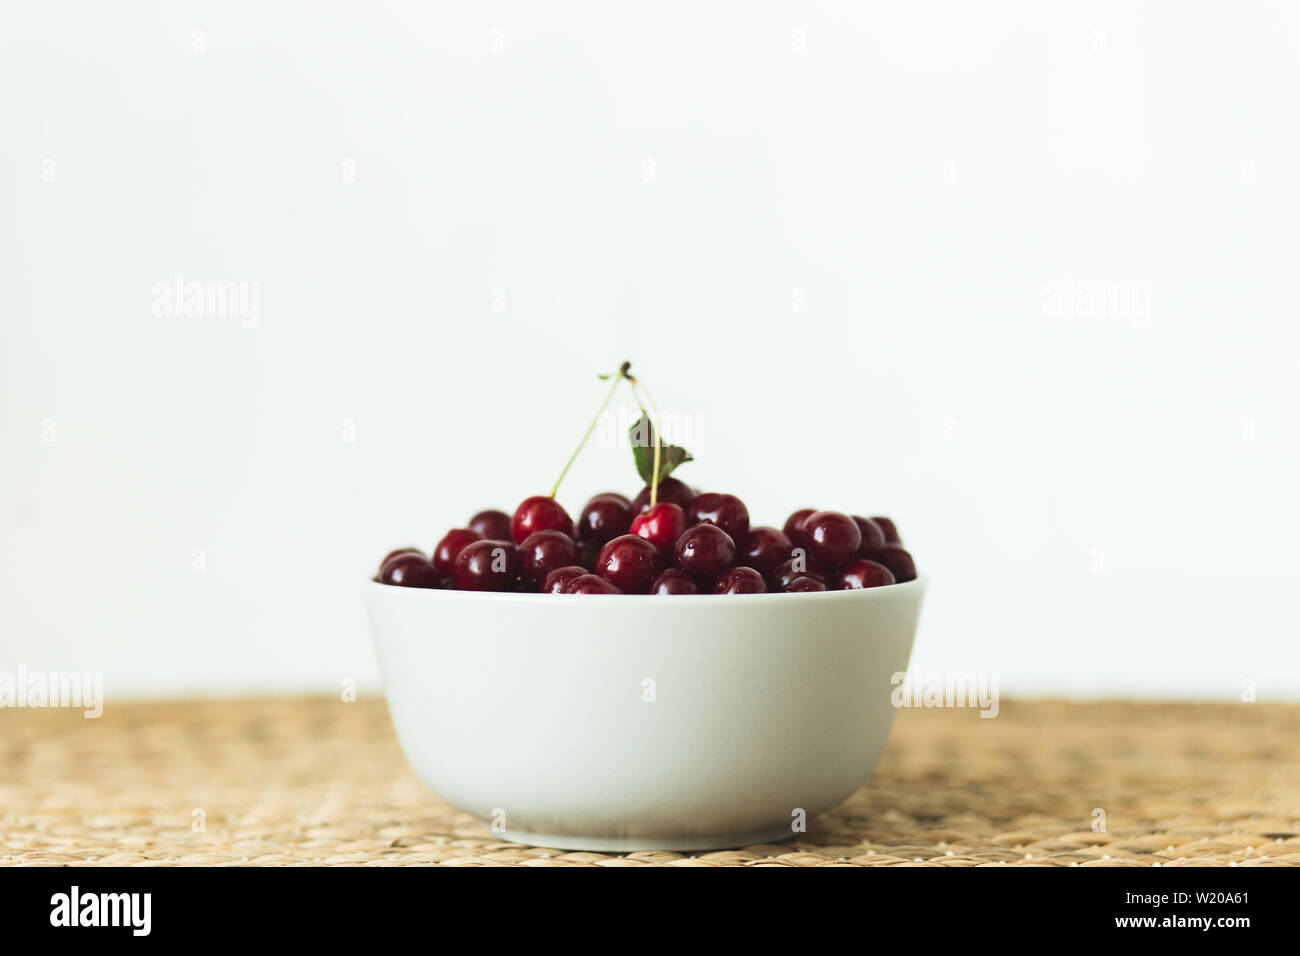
x=312 y=781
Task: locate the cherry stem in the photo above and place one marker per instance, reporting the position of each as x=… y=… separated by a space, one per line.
x=659 y=438
x=618 y=377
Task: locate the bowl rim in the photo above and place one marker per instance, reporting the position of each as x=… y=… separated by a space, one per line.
x=439 y=594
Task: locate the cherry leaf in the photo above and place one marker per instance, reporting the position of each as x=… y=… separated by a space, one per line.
x=642 y=438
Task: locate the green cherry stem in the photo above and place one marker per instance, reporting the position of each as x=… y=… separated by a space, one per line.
x=617 y=377
x=659 y=438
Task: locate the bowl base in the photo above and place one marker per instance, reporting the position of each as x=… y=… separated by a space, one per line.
x=613 y=844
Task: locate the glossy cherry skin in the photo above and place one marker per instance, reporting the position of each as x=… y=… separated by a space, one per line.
x=604 y=518
x=539 y=513
x=891 y=532
x=558 y=580
x=670 y=489
x=591 y=584
x=488 y=566
x=630 y=563
x=394 y=553
x=492 y=525
x=832 y=537
x=794 y=527
x=805 y=582
x=766 y=549
x=662 y=525
x=739 y=581
x=544 y=551
x=705 y=551
x=674 y=581
x=409 y=569
x=898 y=561
x=873 y=537
x=726 y=511
x=451 y=545
x=778 y=580
x=860 y=573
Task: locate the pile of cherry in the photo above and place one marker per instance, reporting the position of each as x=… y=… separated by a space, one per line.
x=687 y=543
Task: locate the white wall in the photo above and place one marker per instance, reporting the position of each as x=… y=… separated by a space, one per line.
x=1104 y=494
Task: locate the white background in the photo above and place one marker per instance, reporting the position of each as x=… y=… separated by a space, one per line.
x=869 y=251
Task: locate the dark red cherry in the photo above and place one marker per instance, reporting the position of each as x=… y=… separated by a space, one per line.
x=891 y=532
x=705 y=551
x=805 y=582
x=873 y=537
x=726 y=511
x=588 y=551
x=674 y=581
x=670 y=490
x=860 y=573
x=396 y=551
x=832 y=537
x=898 y=561
x=409 y=569
x=492 y=525
x=630 y=563
x=662 y=525
x=558 y=580
x=794 y=527
x=544 y=551
x=604 y=518
x=451 y=545
x=488 y=566
x=766 y=549
x=539 y=513
x=591 y=584
x=393 y=554
x=739 y=581
x=780 y=577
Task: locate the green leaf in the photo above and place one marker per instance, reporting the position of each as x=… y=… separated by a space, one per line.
x=642 y=438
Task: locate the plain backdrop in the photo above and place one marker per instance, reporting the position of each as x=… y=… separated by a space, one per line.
x=1021 y=275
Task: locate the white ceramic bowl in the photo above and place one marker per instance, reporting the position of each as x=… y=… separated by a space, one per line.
x=620 y=722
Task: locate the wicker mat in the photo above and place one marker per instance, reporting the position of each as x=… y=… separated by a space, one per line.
x=316 y=781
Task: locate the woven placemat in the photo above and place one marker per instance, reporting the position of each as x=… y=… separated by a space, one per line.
x=316 y=781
